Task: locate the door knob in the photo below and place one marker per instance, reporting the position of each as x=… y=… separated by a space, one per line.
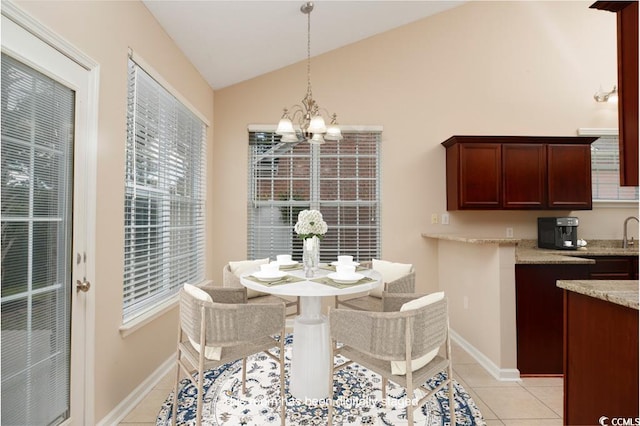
x=83 y=285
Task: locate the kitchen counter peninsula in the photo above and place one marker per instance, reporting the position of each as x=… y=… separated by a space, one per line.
x=478 y=275
x=600 y=350
x=505 y=308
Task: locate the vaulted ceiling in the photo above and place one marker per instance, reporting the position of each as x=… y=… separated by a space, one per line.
x=233 y=41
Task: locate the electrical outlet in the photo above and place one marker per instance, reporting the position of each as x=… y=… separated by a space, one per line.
x=444 y=218
x=465 y=302
x=434 y=218
x=509 y=232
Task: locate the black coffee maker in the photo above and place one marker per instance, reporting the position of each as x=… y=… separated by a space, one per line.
x=559 y=233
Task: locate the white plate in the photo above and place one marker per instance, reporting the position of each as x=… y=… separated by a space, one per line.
x=269 y=276
x=345 y=278
x=289 y=264
x=336 y=263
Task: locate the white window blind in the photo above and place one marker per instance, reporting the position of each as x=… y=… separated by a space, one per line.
x=37 y=166
x=605 y=172
x=341 y=179
x=164 y=195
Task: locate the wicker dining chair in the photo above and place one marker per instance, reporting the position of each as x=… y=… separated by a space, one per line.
x=231 y=280
x=399 y=334
x=220 y=321
x=372 y=301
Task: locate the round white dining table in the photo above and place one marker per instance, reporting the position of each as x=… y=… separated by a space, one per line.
x=310 y=364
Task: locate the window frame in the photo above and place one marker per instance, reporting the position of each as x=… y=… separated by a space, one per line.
x=332 y=244
x=604 y=202
x=179 y=196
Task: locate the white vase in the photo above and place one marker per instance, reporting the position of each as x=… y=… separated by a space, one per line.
x=310 y=256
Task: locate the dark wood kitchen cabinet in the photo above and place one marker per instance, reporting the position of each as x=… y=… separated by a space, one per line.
x=600 y=361
x=518 y=173
x=627 y=29
x=524 y=181
x=478 y=181
x=539 y=316
x=539 y=307
x=613 y=268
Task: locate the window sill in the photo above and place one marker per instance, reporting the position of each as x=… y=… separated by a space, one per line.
x=140 y=321
x=153 y=313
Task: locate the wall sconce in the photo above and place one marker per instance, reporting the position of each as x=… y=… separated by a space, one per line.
x=612 y=96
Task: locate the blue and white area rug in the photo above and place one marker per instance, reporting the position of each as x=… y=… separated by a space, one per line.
x=357 y=394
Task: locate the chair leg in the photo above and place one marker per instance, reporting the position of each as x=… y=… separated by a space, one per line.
x=410 y=408
x=283 y=401
x=200 y=397
x=175 y=392
x=452 y=404
x=244 y=375
x=331 y=370
x=175 y=387
x=384 y=389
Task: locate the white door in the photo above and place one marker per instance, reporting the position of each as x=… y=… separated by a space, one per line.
x=46 y=296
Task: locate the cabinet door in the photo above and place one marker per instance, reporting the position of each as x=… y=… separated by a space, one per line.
x=613 y=267
x=539 y=316
x=628 y=93
x=569 y=177
x=480 y=176
x=523 y=176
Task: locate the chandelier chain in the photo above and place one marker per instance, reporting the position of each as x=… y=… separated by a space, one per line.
x=309 y=51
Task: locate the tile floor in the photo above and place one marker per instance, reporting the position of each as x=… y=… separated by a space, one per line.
x=531 y=402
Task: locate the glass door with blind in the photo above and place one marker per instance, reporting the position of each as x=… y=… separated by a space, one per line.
x=341 y=179
x=39 y=232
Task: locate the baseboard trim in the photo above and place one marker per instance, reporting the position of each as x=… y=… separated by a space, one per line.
x=502 y=374
x=139 y=393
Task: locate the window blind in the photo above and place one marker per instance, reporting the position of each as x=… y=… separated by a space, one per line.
x=164 y=195
x=605 y=172
x=37 y=167
x=341 y=179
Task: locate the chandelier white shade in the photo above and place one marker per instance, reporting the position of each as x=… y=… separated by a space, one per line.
x=309 y=125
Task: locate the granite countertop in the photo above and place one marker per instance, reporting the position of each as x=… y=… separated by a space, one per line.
x=620 y=292
x=471 y=239
x=527 y=251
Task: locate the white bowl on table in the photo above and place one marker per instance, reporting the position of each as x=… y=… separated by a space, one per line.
x=269 y=276
x=336 y=263
x=342 y=278
x=287 y=263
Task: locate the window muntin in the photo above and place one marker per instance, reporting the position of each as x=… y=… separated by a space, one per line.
x=341 y=179
x=164 y=195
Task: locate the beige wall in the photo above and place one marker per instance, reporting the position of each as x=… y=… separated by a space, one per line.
x=518 y=68
x=487 y=68
x=481 y=300
x=104 y=31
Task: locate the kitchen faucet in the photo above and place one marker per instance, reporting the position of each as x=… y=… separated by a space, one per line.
x=625 y=242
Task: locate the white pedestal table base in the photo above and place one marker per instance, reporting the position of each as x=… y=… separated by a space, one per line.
x=310 y=367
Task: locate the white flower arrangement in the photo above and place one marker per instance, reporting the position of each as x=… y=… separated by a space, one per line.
x=310 y=224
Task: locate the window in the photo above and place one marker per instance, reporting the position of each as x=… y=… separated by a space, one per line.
x=341 y=179
x=164 y=195
x=37 y=193
x=605 y=171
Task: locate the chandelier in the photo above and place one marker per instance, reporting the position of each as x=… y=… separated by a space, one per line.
x=310 y=125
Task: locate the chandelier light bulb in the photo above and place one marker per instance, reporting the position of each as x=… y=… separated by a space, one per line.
x=317 y=125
